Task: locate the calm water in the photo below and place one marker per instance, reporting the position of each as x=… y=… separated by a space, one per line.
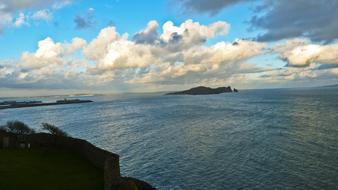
x=257 y=139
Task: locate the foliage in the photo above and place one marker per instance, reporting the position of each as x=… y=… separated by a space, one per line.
x=17 y=127
x=54 y=130
x=55 y=169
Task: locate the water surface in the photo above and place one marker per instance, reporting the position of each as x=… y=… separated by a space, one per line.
x=255 y=139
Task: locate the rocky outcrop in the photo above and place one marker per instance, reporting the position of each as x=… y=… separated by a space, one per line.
x=202 y=90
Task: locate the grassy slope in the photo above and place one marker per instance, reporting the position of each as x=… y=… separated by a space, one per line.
x=47 y=170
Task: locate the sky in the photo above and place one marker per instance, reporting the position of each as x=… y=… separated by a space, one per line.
x=115 y=46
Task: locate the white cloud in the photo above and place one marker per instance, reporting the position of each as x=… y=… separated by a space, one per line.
x=334 y=71
x=99 y=46
x=10 y=9
x=5 y=20
x=300 y=53
x=61 y=3
x=51 y=53
x=48 y=49
x=5 y=71
x=20 y=20
x=179 y=55
x=192 y=33
x=180 y=51
x=188 y=34
x=114 y=58
x=44 y=14
x=76 y=44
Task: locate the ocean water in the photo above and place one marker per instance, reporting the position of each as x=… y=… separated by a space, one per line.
x=255 y=139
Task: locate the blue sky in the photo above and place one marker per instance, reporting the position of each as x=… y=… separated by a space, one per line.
x=249 y=44
x=127 y=15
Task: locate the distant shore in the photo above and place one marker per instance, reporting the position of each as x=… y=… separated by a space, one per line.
x=14 y=104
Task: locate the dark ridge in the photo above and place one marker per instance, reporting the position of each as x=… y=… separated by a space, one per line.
x=202 y=90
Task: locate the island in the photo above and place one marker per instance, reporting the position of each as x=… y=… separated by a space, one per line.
x=202 y=90
x=15 y=104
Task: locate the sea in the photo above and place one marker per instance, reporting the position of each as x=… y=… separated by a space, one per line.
x=254 y=139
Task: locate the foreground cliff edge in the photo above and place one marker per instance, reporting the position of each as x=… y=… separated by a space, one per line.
x=106 y=161
x=202 y=90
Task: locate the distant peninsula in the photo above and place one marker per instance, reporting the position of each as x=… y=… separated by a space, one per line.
x=202 y=90
x=15 y=104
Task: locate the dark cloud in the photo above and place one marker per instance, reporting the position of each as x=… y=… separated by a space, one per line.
x=147 y=36
x=84 y=21
x=150 y=36
x=328 y=66
x=11 y=6
x=48 y=84
x=176 y=38
x=12 y=80
x=315 y=19
x=207 y=6
x=281 y=19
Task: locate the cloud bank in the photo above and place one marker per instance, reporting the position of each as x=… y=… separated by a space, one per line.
x=177 y=55
x=211 y=7
x=313 y=19
x=164 y=56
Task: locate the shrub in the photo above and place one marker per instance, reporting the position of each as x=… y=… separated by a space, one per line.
x=17 y=127
x=54 y=130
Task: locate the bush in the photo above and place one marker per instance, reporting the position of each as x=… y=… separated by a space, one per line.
x=17 y=127
x=54 y=130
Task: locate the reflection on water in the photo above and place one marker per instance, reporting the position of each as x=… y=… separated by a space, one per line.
x=258 y=139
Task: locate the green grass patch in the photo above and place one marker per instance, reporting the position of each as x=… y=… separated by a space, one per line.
x=25 y=169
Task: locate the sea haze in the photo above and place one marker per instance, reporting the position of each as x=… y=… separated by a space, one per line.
x=255 y=139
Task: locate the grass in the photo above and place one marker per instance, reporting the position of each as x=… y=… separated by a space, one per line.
x=26 y=169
